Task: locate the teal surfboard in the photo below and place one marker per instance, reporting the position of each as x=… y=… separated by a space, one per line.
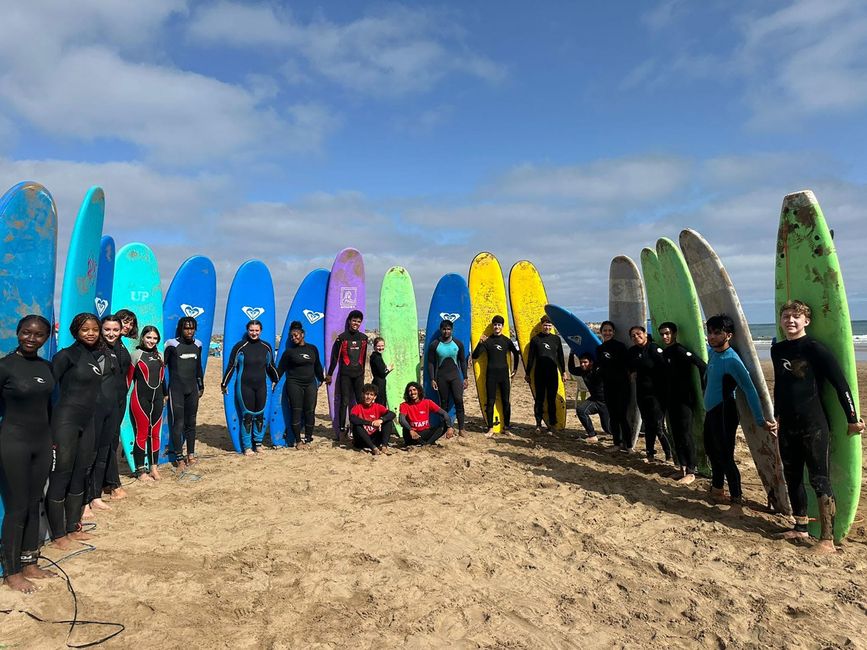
x=104 y=277
x=398 y=324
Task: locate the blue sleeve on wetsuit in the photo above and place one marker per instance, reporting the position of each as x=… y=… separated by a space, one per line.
x=736 y=368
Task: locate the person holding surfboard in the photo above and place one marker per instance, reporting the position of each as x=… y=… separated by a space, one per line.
x=498 y=377
x=545 y=365
x=26 y=384
x=447 y=368
x=595 y=402
x=303 y=369
x=648 y=366
x=379 y=370
x=611 y=359
x=128 y=329
x=725 y=372
x=415 y=419
x=350 y=351
x=147 y=377
x=372 y=423
x=802 y=365
x=186 y=386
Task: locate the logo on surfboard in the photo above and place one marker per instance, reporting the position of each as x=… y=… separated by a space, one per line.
x=253 y=312
x=348 y=297
x=576 y=338
x=450 y=317
x=192 y=311
x=101 y=305
x=312 y=316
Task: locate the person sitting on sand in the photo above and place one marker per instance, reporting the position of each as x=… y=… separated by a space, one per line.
x=802 y=365
x=611 y=360
x=415 y=415
x=648 y=365
x=372 y=423
x=545 y=366
x=595 y=402
x=497 y=348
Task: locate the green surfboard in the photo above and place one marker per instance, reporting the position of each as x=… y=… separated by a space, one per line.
x=653 y=287
x=398 y=324
x=808 y=269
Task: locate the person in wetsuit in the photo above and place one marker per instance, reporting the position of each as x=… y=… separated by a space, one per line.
x=186 y=379
x=497 y=348
x=447 y=368
x=612 y=361
x=725 y=372
x=26 y=384
x=379 y=370
x=681 y=398
x=303 y=369
x=258 y=362
x=128 y=330
x=372 y=423
x=79 y=378
x=546 y=366
x=648 y=364
x=802 y=366
x=147 y=376
x=595 y=402
x=350 y=352
x=414 y=418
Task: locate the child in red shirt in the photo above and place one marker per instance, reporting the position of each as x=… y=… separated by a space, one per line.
x=415 y=415
x=372 y=423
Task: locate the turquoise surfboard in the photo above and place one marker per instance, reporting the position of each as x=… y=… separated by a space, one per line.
x=137 y=288
x=308 y=307
x=104 y=277
x=82 y=262
x=251 y=297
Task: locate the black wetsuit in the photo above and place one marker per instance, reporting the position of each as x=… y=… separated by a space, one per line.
x=147 y=377
x=611 y=359
x=595 y=402
x=498 y=377
x=25 y=455
x=106 y=417
x=186 y=384
x=681 y=401
x=447 y=366
x=545 y=365
x=77 y=372
x=650 y=385
x=259 y=364
x=801 y=367
x=112 y=471
x=303 y=370
x=380 y=373
x=350 y=351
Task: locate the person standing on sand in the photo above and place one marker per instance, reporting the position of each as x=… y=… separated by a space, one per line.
x=379 y=370
x=350 y=351
x=595 y=402
x=546 y=366
x=447 y=368
x=725 y=372
x=183 y=355
x=801 y=366
x=147 y=376
x=648 y=365
x=612 y=359
x=497 y=377
x=372 y=423
x=303 y=369
x=681 y=399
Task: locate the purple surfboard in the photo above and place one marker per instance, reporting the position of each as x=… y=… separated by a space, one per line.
x=345 y=293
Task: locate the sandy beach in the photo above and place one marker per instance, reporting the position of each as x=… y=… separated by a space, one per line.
x=528 y=541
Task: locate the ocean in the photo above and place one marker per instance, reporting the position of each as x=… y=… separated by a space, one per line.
x=763 y=333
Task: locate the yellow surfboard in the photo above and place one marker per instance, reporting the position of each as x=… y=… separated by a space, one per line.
x=528 y=298
x=487 y=299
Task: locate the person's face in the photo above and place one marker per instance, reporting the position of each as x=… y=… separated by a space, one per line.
x=548 y=328
x=32 y=336
x=638 y=337
x=88 y=333
x=718 y=339
x=297 y=336
x=793 y=323
x=607 y=332
x=369 y=398
x=445 y=333
x=586 y=365
x=497 y=328
x=254 y=332
x=380 y=346
x=125 y=326
x=668 y=337
x=150 y=340
x=189 y=331
x=110 y=331
x=354 y=324
x=413 y=394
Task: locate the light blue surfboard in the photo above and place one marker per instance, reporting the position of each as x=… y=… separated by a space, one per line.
x=574 y=331
x=82 y=261
x=193 y=292
x=251 y=297
x=137 y=288
x=308 y=307
x=104 y=277
x=28 y=262
x=450 y=301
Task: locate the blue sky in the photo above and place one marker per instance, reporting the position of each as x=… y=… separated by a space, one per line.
x=423 y=134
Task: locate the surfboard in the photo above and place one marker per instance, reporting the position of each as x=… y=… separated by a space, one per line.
x=193 y=292
x=487 y=299
x=137 y=288
x=450 y=301
x=654 y=287
x=398 y=324
x=718 y=296
x=251 y=297
x=82 y=261
x=528 y=298
x=308 y=307
x=808 y=269
x=578 y=336
x=680 y=305
x=28 y=261
x=104 y=277
x=346 y=291
x=626 y=307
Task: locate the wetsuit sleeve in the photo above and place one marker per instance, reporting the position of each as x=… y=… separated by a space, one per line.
x=282 y=365
x=388 y=416
x=516 y=355
x=404 y=422
x=480 y=347
x=200 y=372
x=560 y=357
x=271 y=368
x=335 y=354
x=170 y=356
x=230 y=367
x=431 y=359
x=317 y=366
x=736 y=368
x=436 y=408
x=531 y=356
x=60 y=365
x=462 y=358
x=356 y=419
x=831 y=370
x=377 y=366
x=574 y=370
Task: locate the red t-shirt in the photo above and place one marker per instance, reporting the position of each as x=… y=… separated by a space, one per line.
x=418 y=414
x=369 y=414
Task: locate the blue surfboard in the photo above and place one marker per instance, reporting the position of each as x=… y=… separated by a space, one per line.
x=82 y=261
x=104 y=277
x=193 y=292
x=574 y=331
x=308 y=307
x=450 y=301
x=251 y=297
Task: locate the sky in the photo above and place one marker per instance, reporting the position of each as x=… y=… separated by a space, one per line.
x=422 y=134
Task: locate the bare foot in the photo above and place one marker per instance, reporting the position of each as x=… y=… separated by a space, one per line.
x=591 y=440
x=191 y=459
x=79 y=536
x=793 y=534
x=33 y=571
x=63 y=543
x=249 y=452
x=824 y=547
x=18 y=582
x=375 y=451
x=461 y=433
x=686 y=480
x=182 y=466
x=489 y=433
x=99 y=504
x=144 y=477
x=385 y=451
x=88 y=513
x=300 y=445
x=155 y=474
x=118 y=493
x=538 y=429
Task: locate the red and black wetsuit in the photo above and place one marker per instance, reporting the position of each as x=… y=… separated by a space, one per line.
x=417 y=417
x=350 y=351
x=147 y=376
x=364 y=434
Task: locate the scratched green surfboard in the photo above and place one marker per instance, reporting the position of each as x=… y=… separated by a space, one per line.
x=398 y=324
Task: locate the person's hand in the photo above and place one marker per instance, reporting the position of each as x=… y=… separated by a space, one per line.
x=377 y=423
x=771 y=426
x=328 y=379
x=433 y=384
x=515 y=372
x=466 y=383
x=414 y=434
x=564 y=377
x=390 y=368
x=483 y=338
x=856 y=428
x=450 y=432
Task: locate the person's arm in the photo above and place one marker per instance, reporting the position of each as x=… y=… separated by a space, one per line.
x=200 y=372
x=282 y=365
x=436 y=408
x=271 y=367
x=356 y=419
x=561 y=362
x=531 y=359
x=404 y=422
x=60 y=365
x=377 y=366
x=332 y=363
x=462 y=359
x=230 y=367
x=317 y=365
x=431 y=360
x=516 y=355
x=480 y=347
x=832 y=371
x=736 y=368
x=574 y=369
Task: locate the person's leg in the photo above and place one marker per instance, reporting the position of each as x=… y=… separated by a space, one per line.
x=712 y=434
x=39 y=465
x=727 y=453
x=107 y=430
x=491 y=384
x=604 y=420
x=15 y=479
x=792 y=453
x=650 y=417
x=539 y=397
x=248 y=402
x=261 y=400
x=347 y=393
x=83 y=460
x=295 y=396
x=505 y=386
x=816 y=445
x=456 y=393
x=191 y=416
x=387 y=432
x=584 y=410
x=177 y=419
x=65 y=437
x=551 y=381
x=431 y=435
x=361 y=439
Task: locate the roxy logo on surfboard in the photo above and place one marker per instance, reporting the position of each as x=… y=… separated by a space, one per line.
x=312 y=316
x=194 y=312
x=348 y=297
x=450 y=317
x=576 y=338
x=101 y=305
x=253 y=312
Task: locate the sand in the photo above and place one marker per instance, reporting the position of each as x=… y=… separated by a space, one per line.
x=530 y=541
